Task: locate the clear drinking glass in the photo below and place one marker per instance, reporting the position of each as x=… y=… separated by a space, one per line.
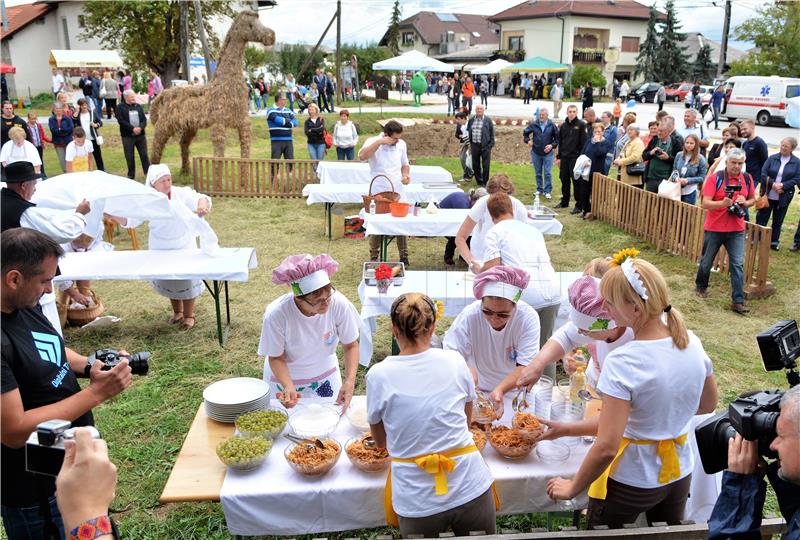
x=542 y=397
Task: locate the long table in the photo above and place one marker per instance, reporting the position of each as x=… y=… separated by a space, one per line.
x=356 y=172
x=228 y=264
x=275 y=500
x=453 y=289
x=331 y=194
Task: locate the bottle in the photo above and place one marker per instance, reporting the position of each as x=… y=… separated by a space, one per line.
x=372 y=207
x=537 y=205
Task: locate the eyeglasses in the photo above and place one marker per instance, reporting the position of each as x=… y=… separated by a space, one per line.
x=321 y=301
x=499 y=314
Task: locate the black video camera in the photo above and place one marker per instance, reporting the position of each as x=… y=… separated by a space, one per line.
x=111 y=357
x=735 y=208
x=753 y=415
x=44 y=449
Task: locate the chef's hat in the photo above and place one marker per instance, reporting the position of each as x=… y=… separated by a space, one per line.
x=304 y=273
x=154 y=172
x=503 y=281
x=587 y=310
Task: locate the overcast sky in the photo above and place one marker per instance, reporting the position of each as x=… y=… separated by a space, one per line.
x=367 y=20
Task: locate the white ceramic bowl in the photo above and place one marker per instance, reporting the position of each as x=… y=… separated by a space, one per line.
x=357 y=416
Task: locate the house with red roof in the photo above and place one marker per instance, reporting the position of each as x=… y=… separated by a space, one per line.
x=601 y=33
x=435 y=33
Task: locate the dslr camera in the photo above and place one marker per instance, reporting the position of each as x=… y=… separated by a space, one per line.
x=735 y=208
x=111 y=357
x=44 y=449
x=753 y=415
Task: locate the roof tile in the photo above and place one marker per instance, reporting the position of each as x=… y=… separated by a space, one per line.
x=21 y=16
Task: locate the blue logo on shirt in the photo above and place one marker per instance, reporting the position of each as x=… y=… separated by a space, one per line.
x=49 y=347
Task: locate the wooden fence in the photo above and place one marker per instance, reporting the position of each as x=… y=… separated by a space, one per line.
x=241 y=177
x=677 y=228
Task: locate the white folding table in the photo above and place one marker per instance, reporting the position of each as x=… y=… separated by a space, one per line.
x=357 y=172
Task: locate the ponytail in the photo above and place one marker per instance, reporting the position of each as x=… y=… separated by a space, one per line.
x=677 y=328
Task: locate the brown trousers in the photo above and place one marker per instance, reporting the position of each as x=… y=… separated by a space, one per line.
x=476 y=515
x=624 y=503
x=375 y=246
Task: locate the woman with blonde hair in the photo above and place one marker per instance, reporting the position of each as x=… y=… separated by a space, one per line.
x=651 y=389
x=314 y=128
x=691 y=167
x=419 y=405
x=630 y=154
x=479 y=221
x=17 y=148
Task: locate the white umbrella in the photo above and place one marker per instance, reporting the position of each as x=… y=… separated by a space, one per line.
x=492 y=67
x=412 y=61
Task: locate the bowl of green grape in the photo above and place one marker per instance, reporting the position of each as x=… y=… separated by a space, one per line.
x=243 y=453
x=266 y=424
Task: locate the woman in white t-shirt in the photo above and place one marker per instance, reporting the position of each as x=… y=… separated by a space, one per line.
x=18 y=149
x=478 y=221
x=497 y=334
x=302 y=329
x=514 y=243
x=419 y=405
x=651 y=388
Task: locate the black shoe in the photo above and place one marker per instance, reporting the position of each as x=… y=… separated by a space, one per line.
x=740 y=309
x=776 y=247
x=449 y=261
x=702 y=293
x=576 y=210
x=404 y=260
x=562 y=205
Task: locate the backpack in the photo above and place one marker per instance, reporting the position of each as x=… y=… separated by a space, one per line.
x=748 y=180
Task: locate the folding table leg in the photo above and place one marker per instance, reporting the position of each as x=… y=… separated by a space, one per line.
x=328 y=217
x=222 y=333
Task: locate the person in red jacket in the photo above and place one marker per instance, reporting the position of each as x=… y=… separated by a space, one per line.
x=468 y=92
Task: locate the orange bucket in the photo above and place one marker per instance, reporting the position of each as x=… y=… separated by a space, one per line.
x=399 y=209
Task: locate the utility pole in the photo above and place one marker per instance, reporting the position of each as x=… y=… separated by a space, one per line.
x=201 y=32
x=723 y=50
x=183 y=38
x=338 y=52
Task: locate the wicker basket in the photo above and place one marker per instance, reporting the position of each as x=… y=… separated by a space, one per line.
x=79 y=317
x=382 y=199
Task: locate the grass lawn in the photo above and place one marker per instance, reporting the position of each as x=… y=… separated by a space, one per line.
x=146 y=425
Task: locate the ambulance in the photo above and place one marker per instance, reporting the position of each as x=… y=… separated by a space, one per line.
x=759 y=98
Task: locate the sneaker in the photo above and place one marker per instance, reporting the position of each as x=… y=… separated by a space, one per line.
x=740 y=309
x=576 y=210
x=702 y=293
x=548 y=196
x=776 y=247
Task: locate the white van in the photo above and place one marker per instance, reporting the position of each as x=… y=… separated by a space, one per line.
x=759 y=98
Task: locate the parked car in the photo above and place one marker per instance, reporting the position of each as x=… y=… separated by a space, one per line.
x=676 y=92
x=759 y=98
x=704 y=90
x=645 y=92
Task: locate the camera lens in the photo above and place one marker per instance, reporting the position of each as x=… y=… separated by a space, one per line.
x=139 y=364
x=765 y=425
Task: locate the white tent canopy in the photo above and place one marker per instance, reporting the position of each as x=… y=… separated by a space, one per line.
x=492 y=67
x=85 y=59
x=412 y=61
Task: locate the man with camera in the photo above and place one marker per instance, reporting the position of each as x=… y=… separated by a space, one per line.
x=725 y=196
x=737 y=513
x=39 y=381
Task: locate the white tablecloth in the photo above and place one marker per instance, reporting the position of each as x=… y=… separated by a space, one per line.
x=231 y=264
x=275 y=500
x=454 y=289
x=445 y=222
x=356 y=172
x=352 y=193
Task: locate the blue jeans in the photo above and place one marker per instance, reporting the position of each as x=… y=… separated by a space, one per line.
x=543 y=164
x=27 y=523
x=345 y=153
x=716 y=116
x=264 y=101
x=316 y=151
x=778 y=214
x=734 y=244
x=690 y=198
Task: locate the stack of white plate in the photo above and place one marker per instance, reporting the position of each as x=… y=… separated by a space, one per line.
x=228 y=399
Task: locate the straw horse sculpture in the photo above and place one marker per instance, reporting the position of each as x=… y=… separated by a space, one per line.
x=221 y=104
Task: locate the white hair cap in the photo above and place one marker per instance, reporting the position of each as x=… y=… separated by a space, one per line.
x=154 y=172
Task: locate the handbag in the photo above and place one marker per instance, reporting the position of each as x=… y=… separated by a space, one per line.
x=669 y=190
x=762 y=202
x=635 y=169
x=103 y=91
x=328 y=139
x=99 y=140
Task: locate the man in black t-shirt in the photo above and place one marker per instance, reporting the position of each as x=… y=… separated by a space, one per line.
x=38 y=379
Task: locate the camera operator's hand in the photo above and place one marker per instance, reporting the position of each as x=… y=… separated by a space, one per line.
x=740 y=200
x=727 y=202
x=108 y=384
x=85 y=458
x=742 y=455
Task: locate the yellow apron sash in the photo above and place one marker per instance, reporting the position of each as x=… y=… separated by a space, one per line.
x=670 y=463
x=438 y=465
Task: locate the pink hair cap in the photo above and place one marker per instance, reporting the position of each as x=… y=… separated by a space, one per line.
x=295 y=267
x=515 y=278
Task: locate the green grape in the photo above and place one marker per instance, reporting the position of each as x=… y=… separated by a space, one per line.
x=261 y=421
x=238 y=449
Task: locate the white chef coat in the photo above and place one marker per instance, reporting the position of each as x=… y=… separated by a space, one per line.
x=388 y=159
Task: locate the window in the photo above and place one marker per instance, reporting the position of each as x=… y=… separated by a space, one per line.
x=65 y=27
x=408 y=38
x=630 y=44
x=792 y=90
x=81 y=21
x=515 y=43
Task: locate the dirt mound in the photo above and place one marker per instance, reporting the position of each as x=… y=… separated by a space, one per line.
x=438 y=140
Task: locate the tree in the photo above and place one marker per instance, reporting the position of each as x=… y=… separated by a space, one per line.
x=393 y=34
x=147 y=33
x=367 y=55
x=648 y=51
x=291 y=58
x=672 y=63
x=774 y=31
x=581 y=74
x=255 y=57
x=704 y=67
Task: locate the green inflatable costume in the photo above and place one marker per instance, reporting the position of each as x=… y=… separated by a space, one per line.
x=418 y=86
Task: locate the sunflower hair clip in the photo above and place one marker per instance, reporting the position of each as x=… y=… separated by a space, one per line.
x=623 y=255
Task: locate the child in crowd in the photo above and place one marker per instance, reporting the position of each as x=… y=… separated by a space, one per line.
x=79 y=152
